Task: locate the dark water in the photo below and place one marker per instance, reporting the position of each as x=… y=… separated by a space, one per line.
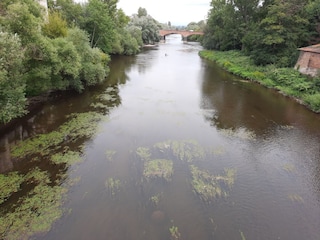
x=170 y=97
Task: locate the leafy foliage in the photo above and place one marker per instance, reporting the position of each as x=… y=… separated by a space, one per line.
x=268 y=31
x=12 y=85
x=56 y=26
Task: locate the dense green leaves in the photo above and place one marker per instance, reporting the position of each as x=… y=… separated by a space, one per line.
x=12 y=86
x=56 y=26
x=269 y=31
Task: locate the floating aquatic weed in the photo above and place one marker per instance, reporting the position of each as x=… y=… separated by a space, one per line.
x=69 y=157
x=208 y=186
x=288 y=167
x=296 y=198
x=9 y=184
x=107 y=97
x=158 y=168
x=36 y=211
x=113 y=185
x=218 y=151
x=242 y=235
x=98 y=105
x=174 y=233
x=143 y=153
x=241 y=133
x=155 y=199
x=79 y=126
x=188 y=150
x=287 y=127
x=110 y=154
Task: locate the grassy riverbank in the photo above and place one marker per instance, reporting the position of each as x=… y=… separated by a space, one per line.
x=287 y=80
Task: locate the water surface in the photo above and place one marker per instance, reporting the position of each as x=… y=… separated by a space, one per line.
x=232 y=159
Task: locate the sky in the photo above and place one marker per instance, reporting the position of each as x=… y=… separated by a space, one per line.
x=178 y=12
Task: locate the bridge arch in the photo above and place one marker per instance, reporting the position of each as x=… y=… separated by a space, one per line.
x=183 y=33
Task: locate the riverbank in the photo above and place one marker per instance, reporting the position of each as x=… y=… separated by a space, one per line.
x=288 y=81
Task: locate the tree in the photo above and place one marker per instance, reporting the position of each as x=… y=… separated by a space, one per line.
x=56 y=26
x=12 y=84
x=279 y=34
x=142 y=12
x=149 y=28
x=312 y=10
x=222 y=31
x=93 y=61
x=70 y=11
x=99 y=24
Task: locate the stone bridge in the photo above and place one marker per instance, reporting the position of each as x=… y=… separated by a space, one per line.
x=183 y=33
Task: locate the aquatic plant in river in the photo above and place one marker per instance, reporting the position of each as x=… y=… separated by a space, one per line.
x=110 y=154
x=33 y=199
x=158 y=168
x=186 y=150
x=36 y=210
x=174 y=233
x=113 y=185
x=209 y=187
x=79 y=126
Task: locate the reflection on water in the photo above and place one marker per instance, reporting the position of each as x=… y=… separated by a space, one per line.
x=183 y=150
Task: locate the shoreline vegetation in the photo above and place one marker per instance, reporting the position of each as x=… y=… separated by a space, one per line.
x=288 y=81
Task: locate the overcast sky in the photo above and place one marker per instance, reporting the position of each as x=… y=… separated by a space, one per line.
x=178 y=12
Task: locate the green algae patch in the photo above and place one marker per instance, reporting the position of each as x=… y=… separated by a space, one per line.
x=35 y=211
x=158 y=168
x=143 y=153
x=288 y=167
x=187 y=150
x=34 y=200
x=210 y=187
x=240 y=133
x=113 y=185
x=9 y=184
x=155 y=199
x=174 y=233
x=69 y=157
x=296 y=198
x=110 y=155
x=79 y=126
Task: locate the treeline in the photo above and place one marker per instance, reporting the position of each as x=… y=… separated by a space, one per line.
x=65 y=47
x=268 y=31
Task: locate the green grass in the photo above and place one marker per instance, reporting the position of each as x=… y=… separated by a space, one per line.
x=286 y=80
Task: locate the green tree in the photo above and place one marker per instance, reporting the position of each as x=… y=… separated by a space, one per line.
x=279 y=34
x=149 y=28
x=56 y=26
x=71 y=12
x=99 y=24
x=313 y=14
x=12 y=85
x=142 y=12
x=93 y=69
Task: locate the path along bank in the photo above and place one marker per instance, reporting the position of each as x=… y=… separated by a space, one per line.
x=288 y=81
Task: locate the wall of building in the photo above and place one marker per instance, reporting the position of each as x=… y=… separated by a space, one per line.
x=308 y=63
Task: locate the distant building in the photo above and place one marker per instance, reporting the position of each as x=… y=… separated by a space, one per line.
x=309 y=60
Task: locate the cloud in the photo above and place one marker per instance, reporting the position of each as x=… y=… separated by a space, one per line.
x=178 y=12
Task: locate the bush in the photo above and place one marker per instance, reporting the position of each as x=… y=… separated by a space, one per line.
x=313 y=100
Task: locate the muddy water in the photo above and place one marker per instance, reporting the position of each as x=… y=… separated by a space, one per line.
x=184 y=151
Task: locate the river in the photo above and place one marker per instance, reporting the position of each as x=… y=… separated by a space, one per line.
x=184 y=150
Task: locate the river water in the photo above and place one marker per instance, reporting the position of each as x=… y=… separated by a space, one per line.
x=186 y=151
